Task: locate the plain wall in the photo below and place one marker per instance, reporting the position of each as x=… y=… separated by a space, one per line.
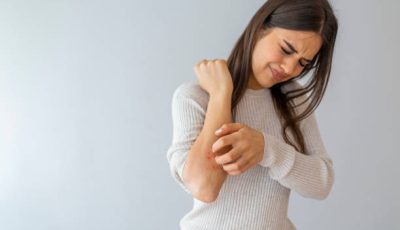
x=85 y=111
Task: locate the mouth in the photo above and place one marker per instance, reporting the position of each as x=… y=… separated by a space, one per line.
x=277 y=75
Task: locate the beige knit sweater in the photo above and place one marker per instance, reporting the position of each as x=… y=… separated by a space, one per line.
x=257 y=198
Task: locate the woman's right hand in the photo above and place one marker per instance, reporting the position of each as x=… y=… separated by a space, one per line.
x=214 y=76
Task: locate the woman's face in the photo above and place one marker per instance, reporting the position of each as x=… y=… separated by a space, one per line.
x=280 y=55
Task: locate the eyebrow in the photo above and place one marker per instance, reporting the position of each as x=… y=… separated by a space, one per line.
x=294 y=50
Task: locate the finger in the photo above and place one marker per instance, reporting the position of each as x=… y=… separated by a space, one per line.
x=228 y=128
x=243 y=169
x=231 y=156
x=197 y=66
x=222 y=142
x=201 y=62
x=239 y=165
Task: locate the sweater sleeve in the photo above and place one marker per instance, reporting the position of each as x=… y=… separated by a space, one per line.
x=188 y=114
x=310 y=175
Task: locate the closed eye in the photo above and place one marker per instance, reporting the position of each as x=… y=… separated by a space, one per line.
x=287 y=52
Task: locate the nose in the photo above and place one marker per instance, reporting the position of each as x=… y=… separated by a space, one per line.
x=289 y=66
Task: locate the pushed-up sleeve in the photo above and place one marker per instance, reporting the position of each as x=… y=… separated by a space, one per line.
x=188 y=114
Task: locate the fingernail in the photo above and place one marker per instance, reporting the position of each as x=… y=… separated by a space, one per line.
x=218 y=131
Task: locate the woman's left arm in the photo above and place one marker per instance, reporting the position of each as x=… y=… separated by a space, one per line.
x=310 y=175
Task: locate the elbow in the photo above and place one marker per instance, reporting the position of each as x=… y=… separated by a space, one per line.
x=326 y=184
x=202 y=193
x=200 y=188
x=324 y=190
x=206 y=195
x=322 y=195
x=319 y=190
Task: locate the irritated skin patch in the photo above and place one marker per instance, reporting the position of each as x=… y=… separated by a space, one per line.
x=210 y=156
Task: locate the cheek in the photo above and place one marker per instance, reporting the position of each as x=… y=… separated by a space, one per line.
x=263 y=60
x=275 y=55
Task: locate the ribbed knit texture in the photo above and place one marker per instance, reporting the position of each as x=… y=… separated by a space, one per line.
x=257 y=198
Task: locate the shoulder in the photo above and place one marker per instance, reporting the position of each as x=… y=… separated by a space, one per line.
x=190 y=89
x=192 y=92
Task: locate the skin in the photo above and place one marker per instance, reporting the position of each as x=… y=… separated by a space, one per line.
x=201 y=174
x=223 y=147
x=268 y=54
x=271 y=51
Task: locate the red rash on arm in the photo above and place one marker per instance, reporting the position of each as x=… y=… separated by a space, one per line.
x=210 y=157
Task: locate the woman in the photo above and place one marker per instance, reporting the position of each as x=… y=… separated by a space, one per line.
x=245 y=135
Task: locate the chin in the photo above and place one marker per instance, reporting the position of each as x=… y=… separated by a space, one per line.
x=265 y=80
x=269 y=83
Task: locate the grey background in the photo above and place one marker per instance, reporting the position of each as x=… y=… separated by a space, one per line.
x=85 y=111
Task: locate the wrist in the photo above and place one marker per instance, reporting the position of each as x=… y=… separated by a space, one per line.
x=221 y=95
x=221 y=99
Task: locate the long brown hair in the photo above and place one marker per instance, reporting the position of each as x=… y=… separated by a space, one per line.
x=301 y=15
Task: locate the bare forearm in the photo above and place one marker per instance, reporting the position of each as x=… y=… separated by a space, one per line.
x=203 y=176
